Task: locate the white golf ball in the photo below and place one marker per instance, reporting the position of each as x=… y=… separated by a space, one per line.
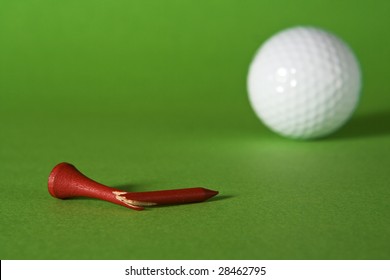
x=304 y=83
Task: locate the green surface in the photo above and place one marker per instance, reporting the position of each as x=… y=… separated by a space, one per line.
x=147 y=95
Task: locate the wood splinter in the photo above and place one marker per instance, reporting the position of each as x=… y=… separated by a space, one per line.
x=65 y=181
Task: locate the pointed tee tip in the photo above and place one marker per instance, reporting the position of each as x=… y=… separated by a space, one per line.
x=210 y=193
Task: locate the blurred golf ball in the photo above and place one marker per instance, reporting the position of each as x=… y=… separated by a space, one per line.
x=304 y=83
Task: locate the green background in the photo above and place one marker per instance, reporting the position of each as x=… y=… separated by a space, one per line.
x=148 y=95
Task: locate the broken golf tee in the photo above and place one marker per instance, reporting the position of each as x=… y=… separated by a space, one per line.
x=65 y=181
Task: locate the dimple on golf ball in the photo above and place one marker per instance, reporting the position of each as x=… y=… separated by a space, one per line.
x=304 y=83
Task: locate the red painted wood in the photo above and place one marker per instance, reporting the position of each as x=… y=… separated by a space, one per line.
x=178 y=196
x=65 y=181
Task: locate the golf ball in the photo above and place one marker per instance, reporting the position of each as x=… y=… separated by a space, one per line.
x=304 y=83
